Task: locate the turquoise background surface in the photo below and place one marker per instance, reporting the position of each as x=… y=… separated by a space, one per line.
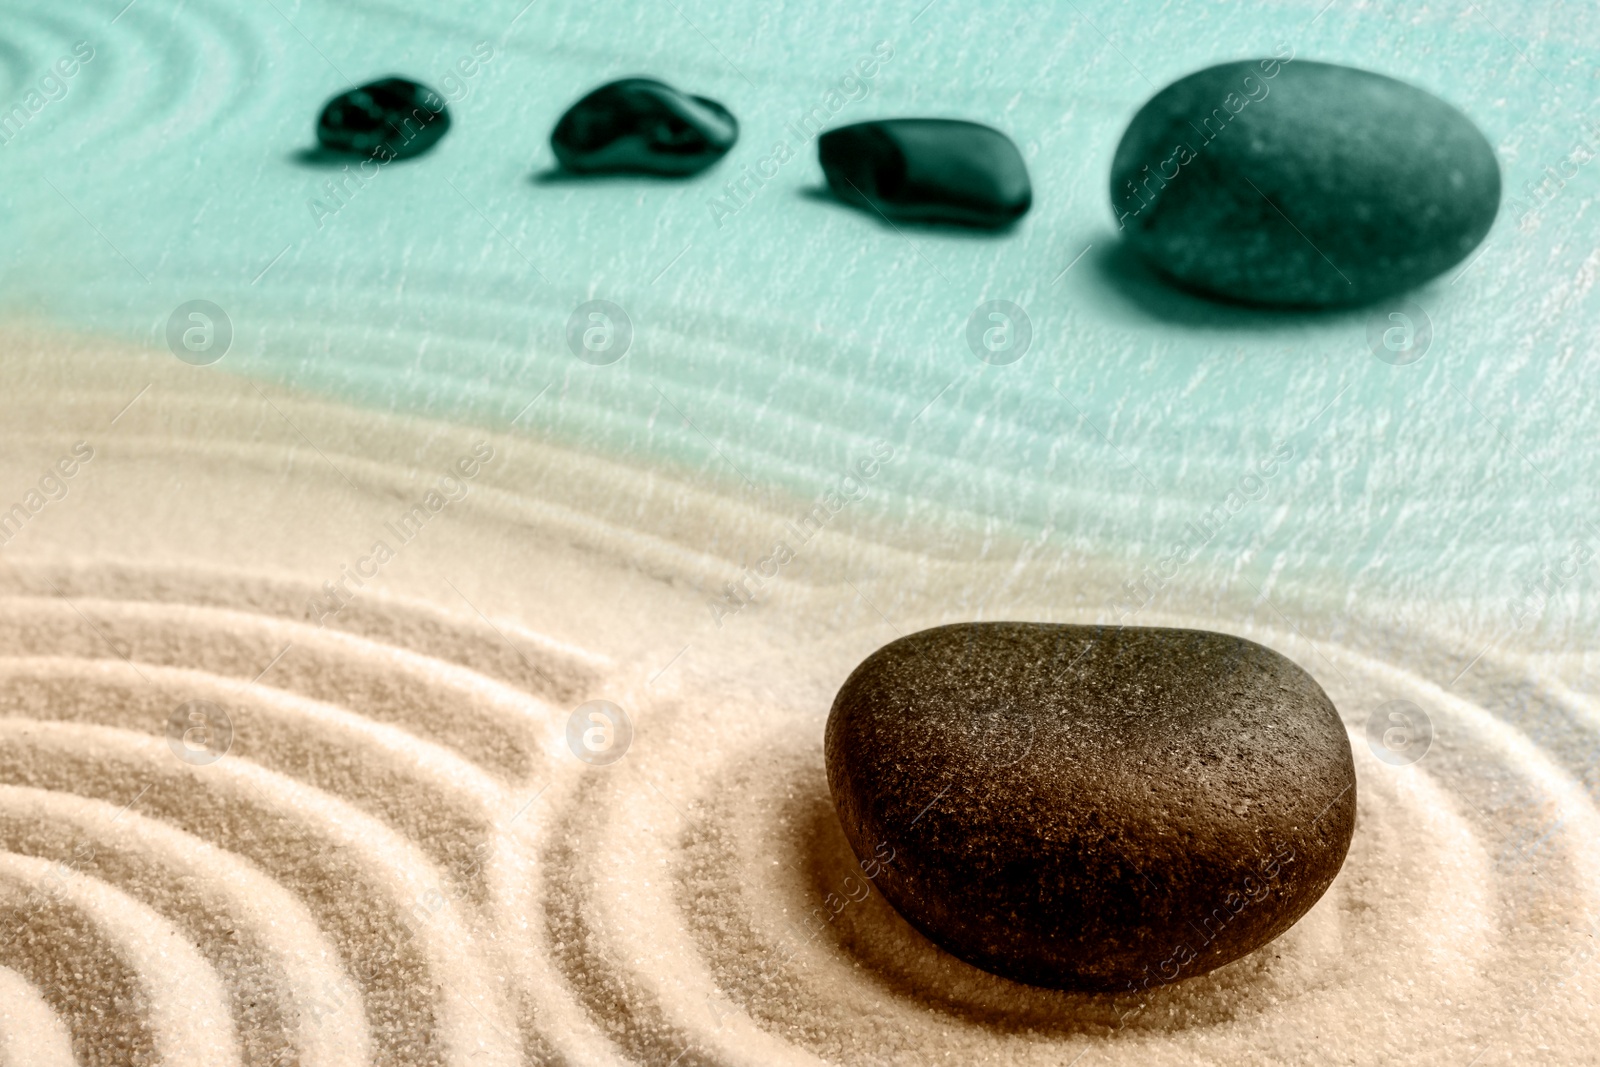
x=774 y=344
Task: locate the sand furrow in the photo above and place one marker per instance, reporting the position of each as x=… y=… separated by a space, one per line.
x=505 y=729
x=263 y=944
x=424 y=980
x=152 y=997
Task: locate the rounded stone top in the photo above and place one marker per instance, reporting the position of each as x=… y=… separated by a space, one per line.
x=1071 y=805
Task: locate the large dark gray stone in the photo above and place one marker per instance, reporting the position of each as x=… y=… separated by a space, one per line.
x=1091 y=809
x=644 y=126
x=928 y=170
x=1302 y=184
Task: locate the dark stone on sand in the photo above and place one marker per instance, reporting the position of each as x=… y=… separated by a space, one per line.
x=928 y=170
x=640 y=125
x=1085 y=808
x=1301 y=184
x=392 y=118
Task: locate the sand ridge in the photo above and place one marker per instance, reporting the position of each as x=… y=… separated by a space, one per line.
x=400 y=860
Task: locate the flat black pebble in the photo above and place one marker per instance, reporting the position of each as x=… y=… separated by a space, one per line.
x=928 y=170
x=640 y=125
x=1302 y=184
x=1087 y=808
x=392 y=118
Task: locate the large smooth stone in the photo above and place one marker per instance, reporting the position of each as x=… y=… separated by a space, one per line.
x=1302 y=184
x=641 y=125
x=392 y=118
x=1087 y=808
x=928 y=170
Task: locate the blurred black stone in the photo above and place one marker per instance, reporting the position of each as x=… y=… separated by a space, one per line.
x=928 y=170
x=640 y=125
x=1097 y=809
x=392 y=118
x=1290 y=183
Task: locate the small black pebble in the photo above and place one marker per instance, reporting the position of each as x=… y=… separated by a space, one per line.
x=640 y=125
x=1297 y=184
x=391 y=118
x=928 y=170
x=1096 y=809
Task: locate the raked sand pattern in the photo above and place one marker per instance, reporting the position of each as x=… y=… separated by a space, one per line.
x=399 y=859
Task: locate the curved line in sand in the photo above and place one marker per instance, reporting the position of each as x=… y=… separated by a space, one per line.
x=477 y=694
x=232 y=887
x=187 y=1007
x=469 y=1009
x=611 y=848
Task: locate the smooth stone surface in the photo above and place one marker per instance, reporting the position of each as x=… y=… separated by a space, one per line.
x=928 y=170
x=1302 y=184
x=392 y=118
x=641 y=125
x=1091 y=809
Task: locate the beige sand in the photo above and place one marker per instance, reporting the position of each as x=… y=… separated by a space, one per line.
x=400 y=860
